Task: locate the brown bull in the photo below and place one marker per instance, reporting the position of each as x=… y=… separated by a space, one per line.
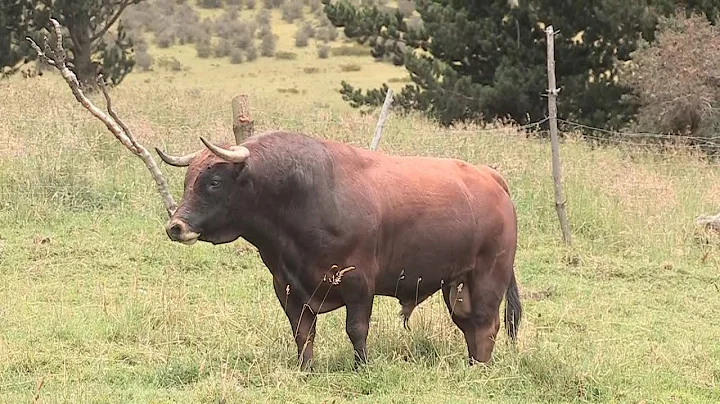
x=337 y=225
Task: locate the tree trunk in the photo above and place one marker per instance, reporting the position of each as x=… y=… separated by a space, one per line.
x=85 y=70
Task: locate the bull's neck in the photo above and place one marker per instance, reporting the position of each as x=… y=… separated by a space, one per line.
x=295 y=226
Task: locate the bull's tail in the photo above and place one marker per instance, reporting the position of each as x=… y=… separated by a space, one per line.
x=513 y=309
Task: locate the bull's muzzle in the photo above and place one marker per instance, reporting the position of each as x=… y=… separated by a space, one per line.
x=179 y=231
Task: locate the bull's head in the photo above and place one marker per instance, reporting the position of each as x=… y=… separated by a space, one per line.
x=214 y=186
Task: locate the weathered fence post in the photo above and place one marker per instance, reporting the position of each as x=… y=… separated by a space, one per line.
x=243 y=126
x=381 y=120
x=552 y=116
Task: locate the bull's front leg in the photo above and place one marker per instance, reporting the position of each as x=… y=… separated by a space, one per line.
x=357 y=293
x=357 y=325
x=302 y=322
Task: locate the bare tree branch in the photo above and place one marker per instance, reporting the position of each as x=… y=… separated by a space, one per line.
x=141 y=152
x=112 y=122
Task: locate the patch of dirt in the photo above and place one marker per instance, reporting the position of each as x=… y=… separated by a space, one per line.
x=538 y=294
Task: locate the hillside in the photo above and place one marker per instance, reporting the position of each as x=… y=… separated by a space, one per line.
x=97 y=305
x=211 y=47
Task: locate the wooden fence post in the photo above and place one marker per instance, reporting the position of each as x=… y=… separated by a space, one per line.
x=243 y=126
x=381 y=120
x=552 y=116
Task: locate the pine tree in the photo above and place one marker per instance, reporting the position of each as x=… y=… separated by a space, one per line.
x=88 y=24
x=479 y=60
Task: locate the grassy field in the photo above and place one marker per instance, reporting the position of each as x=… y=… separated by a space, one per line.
x=98 y=306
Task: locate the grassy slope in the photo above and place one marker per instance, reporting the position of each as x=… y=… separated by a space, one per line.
x=100 y=306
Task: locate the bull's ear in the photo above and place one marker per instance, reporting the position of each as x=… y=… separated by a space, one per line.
x=241 y=172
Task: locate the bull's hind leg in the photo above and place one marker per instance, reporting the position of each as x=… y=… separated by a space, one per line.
x=457 y=300
x=475 y=307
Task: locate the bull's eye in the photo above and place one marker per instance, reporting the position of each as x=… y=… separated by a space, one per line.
x=215 y=183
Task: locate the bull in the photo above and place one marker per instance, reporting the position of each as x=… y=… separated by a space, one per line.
x=337 y=225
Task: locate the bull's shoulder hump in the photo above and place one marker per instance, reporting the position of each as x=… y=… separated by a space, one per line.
x=486 y=171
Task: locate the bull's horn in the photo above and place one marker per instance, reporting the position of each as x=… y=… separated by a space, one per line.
x=236 y=154
x=177 y=161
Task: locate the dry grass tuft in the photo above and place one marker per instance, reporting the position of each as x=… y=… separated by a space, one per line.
x=637 y=187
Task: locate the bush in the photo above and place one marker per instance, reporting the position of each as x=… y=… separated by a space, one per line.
x=143 y=60
x=223 y=48
x=301 y=38
x=186 y=24
x=308 y=29
x=251 y=53
x=207 y=26
x=203 y=47
x=210 y=3
x=677 y=78
x=170 y=63
x=243 y=40
x=267 y=41
x=263 y=17
x=326 y=31
x=250 y=4
x=326 y=34
x=314 y=5
x=354 y=50
x=138 y=39
x=164 y=39
x=415 y=22
x=231 y=14
x=406 y=7
x=171 y=21
x=144 y=15
x=234 y=3
x=236 y=56
x=351 y=67
x=292 y=10
x=239 y=33
x=270 y=4
x=286 y=55
x=224 y=28
x=323 y=51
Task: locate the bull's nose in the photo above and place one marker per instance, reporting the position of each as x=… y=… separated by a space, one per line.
x=179 y=230
x=174 y=230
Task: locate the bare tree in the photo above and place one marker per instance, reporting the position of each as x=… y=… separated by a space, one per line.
x=56 y=57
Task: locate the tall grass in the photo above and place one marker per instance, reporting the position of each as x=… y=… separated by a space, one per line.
x=97 y=303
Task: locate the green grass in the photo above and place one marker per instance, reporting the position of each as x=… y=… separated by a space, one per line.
x=98 y=305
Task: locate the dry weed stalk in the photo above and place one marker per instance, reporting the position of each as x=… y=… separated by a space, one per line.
x=36 y=397
x=336 y=278
x=112 y=122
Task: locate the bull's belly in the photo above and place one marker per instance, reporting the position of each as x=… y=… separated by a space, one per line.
x=418 y=259
x=417 y=277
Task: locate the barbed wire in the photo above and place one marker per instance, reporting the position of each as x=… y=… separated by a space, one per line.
x=207 y=119
x=637 y=134
x=186 y=126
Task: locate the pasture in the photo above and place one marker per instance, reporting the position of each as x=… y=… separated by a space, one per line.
x=97 y=305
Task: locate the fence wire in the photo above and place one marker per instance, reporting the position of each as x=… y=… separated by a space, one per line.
x=153 y=132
